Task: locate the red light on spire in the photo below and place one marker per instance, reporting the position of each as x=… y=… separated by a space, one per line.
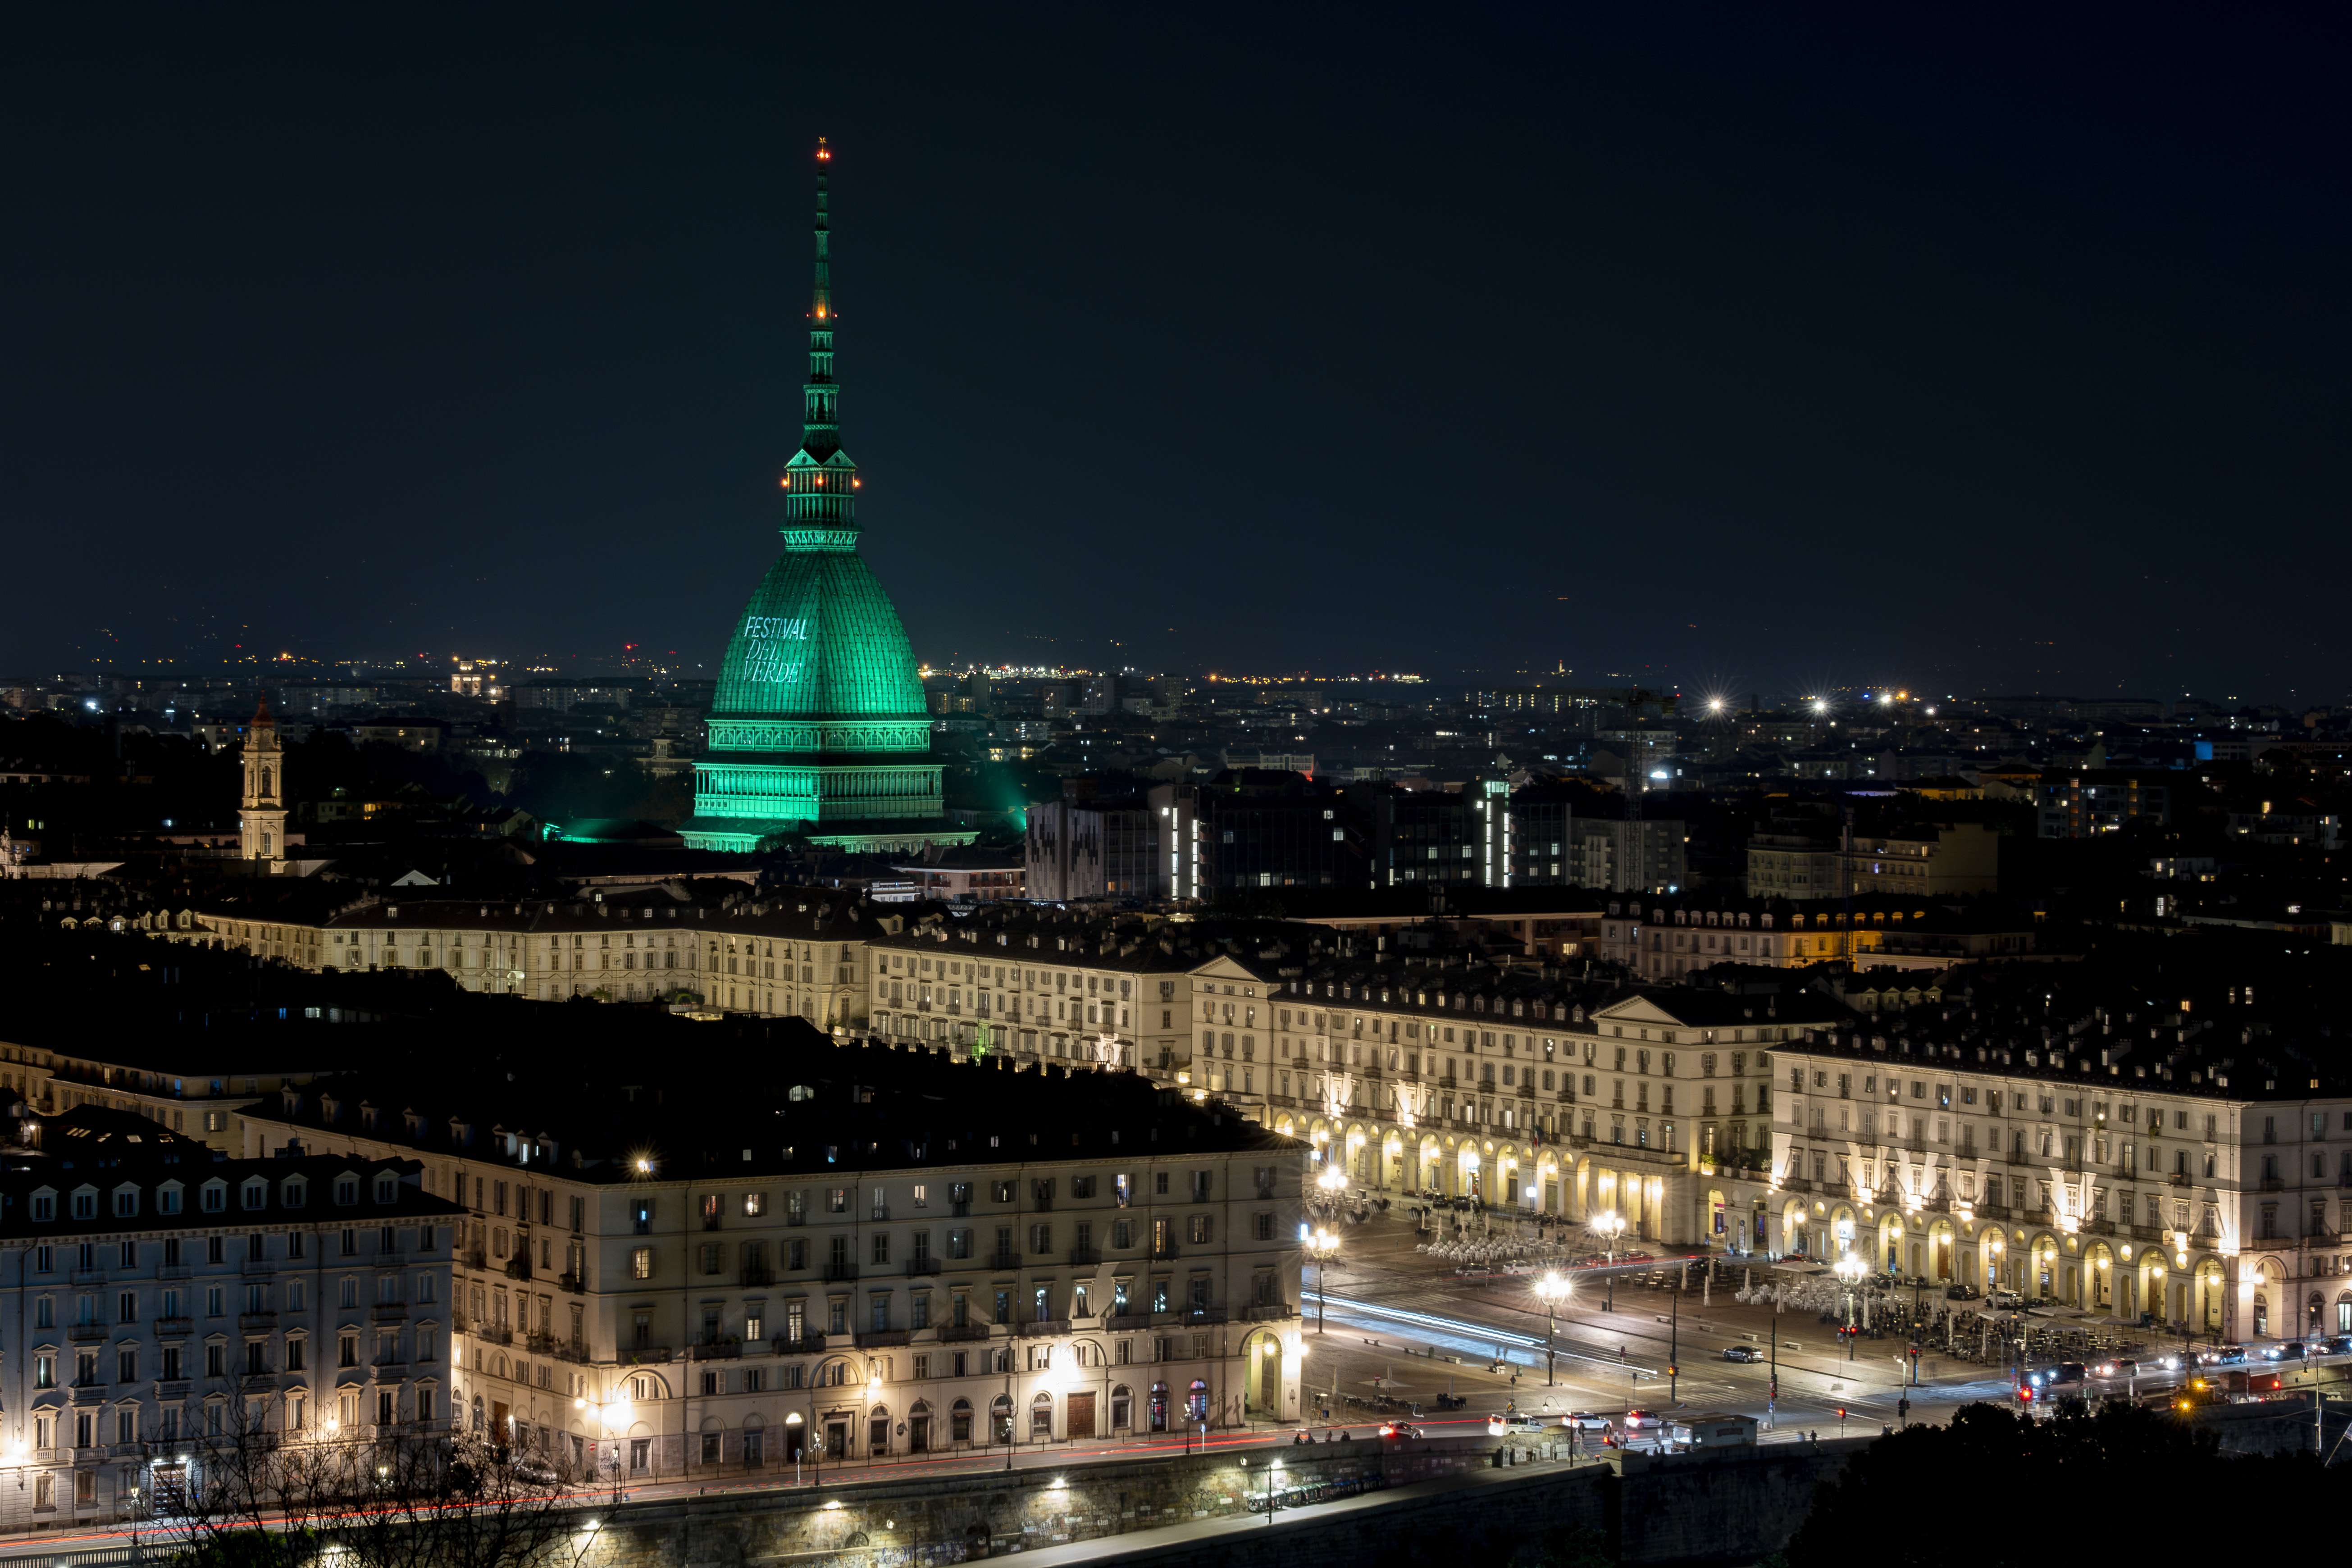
x=823 y=153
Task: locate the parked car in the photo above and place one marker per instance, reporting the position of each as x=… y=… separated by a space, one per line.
x=2004 y=1297
x=1742 y=1353
x=1959 y=1292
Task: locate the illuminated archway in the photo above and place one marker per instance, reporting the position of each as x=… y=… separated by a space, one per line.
x=2207 y=1303
x=2099 y=1277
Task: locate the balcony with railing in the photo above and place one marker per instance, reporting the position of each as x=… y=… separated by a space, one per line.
x=1040 y=1327
x=881 y=1338
x=836 y=1272
x=645 y=1356
x=1085 y=1257
x=571 y=1282
x=917 y=1267
x=1003 y=1261
x=960 y=1333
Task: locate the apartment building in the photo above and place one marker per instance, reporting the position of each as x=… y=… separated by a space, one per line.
x=1518 y=1086
x=192 y=1083
x=1934 y=861
x=1664 y=939
x=1044 y=986
x=799 y=954
x=160 y=1300
x=895 y=1252
x=2201 y=1178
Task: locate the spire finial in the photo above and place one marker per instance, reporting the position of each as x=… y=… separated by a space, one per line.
x=820 y=399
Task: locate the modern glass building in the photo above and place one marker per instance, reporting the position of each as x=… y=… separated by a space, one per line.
x=818 y=728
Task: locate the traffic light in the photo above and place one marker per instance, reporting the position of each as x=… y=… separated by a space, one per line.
x=1841 y=1412
x=1672 y=1372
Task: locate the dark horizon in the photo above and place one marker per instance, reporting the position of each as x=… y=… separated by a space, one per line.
x=1721 y=352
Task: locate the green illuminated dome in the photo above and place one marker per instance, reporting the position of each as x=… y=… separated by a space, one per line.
x=819 y=728
x=819 y=640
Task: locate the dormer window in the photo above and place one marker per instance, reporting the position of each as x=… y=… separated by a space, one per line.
x=256 y=1193
x=44 y=1205
x=347 y=1190
x=216 y=1195
x=294 y=1193
x=167 y=1198
x=85 y=1203
x=126 y=1202
x=387 y=1187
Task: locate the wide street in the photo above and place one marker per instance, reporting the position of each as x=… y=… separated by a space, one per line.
x=1394 y=1321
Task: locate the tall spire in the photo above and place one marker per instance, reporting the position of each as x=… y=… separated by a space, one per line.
x=821 y=397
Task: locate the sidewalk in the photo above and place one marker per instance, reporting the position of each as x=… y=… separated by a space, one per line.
x=1203 y=1532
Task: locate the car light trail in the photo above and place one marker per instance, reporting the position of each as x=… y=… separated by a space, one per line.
x=1478 y=1333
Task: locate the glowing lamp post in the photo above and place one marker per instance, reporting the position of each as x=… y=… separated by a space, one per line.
x=1320 y=1246
x=1551 y=1290
x=1849 y=1270
x=1608 y=1225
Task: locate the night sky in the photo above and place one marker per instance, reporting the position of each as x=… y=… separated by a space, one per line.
x=1978 y=350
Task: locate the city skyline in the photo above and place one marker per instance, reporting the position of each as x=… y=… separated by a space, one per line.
x=1979 y=375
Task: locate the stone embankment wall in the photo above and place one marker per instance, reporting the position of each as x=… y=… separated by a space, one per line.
x=1443 y=1496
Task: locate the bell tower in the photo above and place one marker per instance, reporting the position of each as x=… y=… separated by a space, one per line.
x=261 y=822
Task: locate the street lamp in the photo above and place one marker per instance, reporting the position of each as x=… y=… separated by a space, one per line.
x=1333 y=1182
x=618 y=1408
x=1849 y=1268
x=1320 y=1246
x=1551 y=1290
x=1609 y=1225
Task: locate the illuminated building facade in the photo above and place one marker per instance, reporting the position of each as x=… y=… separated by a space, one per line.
x=261 y=818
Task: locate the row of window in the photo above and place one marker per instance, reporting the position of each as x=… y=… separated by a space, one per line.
x=124 y=1202
x=171 y=1364
x=178 y=1251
